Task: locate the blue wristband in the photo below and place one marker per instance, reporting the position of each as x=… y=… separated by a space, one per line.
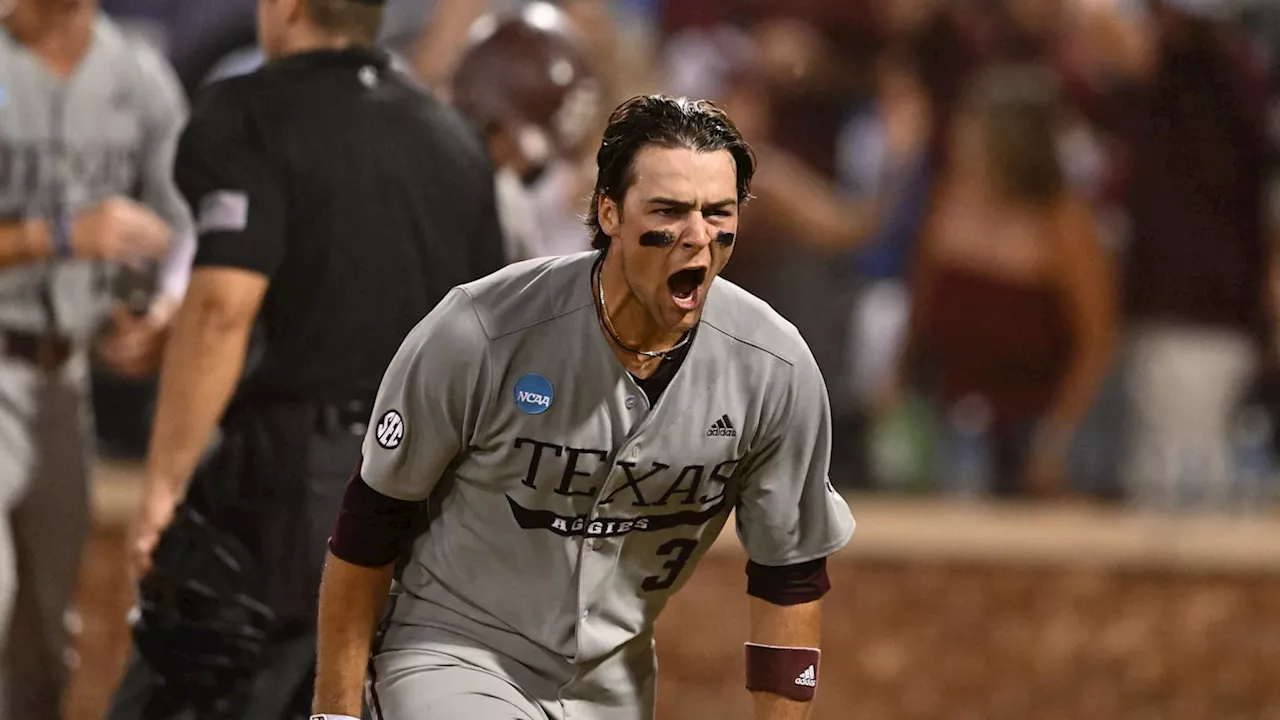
x=61 y=235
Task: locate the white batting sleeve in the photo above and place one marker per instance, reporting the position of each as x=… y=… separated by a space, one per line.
x=787 y=511
x=175 y=271
x=429 y=401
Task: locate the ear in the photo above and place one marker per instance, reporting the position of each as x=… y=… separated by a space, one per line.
x=609 y=215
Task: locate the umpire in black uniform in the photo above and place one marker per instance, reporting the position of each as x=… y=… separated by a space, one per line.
x=336 y=203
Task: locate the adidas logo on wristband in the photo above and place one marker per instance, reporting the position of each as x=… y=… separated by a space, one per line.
x=808 y=678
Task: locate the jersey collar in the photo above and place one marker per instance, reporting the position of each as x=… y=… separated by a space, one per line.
x=354 y=57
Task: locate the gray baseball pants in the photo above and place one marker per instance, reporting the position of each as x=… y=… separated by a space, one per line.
x=45 y=449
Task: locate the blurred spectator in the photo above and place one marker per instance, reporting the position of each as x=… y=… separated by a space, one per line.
x=1012 y=295
x=527 y=87
x=430 y=36
x=1189 y=106
x=883 y=154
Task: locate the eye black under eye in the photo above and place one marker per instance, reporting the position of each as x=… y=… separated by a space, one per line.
x=657 y=239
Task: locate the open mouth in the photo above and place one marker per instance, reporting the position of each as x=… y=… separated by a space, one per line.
x=686 y=286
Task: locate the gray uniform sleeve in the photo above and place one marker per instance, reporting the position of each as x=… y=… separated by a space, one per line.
x=787 y=511
x=165 y=114
x=428 y=404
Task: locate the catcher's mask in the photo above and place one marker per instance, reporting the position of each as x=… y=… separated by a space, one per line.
x=197 y=625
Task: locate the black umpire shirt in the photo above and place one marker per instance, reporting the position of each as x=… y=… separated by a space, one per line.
x=359 y=195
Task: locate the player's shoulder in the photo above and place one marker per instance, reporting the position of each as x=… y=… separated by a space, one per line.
x=530 y=293
x=137 y=54
x=757 y=331
x=117 y=39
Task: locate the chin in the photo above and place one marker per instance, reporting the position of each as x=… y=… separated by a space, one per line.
x=679 y=320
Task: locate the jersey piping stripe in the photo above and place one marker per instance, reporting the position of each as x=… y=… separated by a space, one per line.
x=529 y=519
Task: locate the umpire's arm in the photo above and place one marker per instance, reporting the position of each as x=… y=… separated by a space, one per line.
x=223 y=175
x=789 y=520
x=424 y=416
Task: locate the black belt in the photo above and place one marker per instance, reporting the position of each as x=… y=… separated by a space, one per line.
x=46 y=352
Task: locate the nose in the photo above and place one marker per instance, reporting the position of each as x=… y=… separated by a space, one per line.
x=699 y=233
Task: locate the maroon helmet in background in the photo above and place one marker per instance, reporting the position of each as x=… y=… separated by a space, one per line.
x=525 y=82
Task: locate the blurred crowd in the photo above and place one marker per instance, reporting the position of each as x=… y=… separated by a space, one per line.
x=1029 y=241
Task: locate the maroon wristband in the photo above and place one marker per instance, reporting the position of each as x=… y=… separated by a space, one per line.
x=786 y=671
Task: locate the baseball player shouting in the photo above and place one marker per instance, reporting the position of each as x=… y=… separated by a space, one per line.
x=563 y=440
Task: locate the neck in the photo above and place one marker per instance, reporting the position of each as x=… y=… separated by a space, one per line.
x=307 y=40
x=59 y=25
x=634 y=326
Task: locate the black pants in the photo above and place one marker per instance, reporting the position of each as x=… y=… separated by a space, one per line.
x=275 y=482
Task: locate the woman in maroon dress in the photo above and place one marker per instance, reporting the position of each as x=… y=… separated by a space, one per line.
x=1012 y=296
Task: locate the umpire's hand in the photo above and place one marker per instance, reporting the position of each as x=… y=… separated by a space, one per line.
x=133 y=345
x=155 y=512
x=120 y=230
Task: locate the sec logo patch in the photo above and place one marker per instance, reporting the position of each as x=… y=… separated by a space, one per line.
x=534 y=394
x=390 y=430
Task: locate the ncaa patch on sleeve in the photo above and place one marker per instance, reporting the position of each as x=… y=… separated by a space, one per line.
x=223 y=211
x=534 y=394
x=390 y=430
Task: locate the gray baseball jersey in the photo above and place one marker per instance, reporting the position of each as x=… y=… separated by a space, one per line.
x=566 y=510
x=108 y=129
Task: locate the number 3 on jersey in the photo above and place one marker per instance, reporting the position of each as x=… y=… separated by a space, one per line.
x=680 y=550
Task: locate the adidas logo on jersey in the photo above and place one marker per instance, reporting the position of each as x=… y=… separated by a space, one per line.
x=722 y=428
x=808 y=678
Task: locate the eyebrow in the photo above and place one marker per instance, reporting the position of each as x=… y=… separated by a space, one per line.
x=686 y=205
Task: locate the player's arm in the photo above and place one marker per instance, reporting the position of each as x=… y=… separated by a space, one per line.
x=790 y=520
x=425 y=414
x=23 y=242
x=241 y=231
x=116 y=229
x=810 y=206
x=778 y=630
x=166 y=115
x=134 y=343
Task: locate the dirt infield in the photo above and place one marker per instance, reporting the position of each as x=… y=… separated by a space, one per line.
x=909 y=638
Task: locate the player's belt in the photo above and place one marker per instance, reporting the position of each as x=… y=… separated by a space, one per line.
x=45 y=351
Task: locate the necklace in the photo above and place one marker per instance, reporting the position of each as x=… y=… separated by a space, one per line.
x=608 y=325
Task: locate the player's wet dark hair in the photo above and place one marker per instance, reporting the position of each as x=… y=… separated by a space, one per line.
x=666 y=122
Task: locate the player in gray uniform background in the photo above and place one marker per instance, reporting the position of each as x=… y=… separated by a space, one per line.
x=88 y=118
x=577 y=431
